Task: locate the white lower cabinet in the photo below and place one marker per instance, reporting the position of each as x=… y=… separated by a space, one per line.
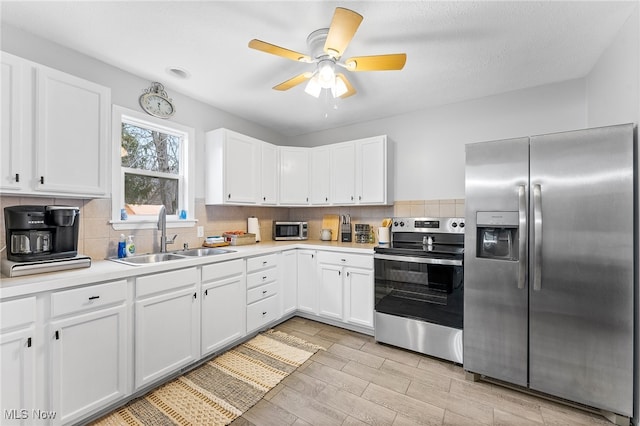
x=89 y=349
x=289 y=281
x=18 y=357
x=345 y=287
x=223 y=304
x=263 y=302
x=167 y=324
x=307 y=283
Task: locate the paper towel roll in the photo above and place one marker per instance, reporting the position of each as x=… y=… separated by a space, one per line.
x=253 y=227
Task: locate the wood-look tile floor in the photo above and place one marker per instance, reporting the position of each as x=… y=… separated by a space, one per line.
x=357 y=381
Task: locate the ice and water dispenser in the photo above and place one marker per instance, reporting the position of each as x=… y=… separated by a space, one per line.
x=498 y=235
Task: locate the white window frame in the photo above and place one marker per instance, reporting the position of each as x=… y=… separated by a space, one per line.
x=186 y=189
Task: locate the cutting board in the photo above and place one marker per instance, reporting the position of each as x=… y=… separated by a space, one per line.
x=331 y=221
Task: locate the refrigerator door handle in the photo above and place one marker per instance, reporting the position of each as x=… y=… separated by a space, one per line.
x=537 y=237
x=522 y=235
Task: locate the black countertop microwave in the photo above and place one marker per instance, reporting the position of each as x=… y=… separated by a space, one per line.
x=290 y=230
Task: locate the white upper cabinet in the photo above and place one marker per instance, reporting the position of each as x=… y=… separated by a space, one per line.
x=321 y=176
x=12 y=151
x=372 y=181
x=294 y=175
x=343 y=173
x=269 y=180
x=232 y=168
x=54 y=117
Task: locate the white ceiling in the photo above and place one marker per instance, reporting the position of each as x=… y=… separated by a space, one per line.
x=455 y=50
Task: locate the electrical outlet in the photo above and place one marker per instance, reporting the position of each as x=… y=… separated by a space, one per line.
x=200 y=231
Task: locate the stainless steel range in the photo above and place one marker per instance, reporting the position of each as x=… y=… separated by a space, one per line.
x=419 y=286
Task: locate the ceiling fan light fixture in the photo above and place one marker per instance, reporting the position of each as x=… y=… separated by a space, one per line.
x=326 y=74
x=313 y=87
x=339 y=88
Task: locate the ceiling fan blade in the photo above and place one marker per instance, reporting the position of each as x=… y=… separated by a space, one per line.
x=391 y=62
x=278 y=51
x=300 y=78
x=343 y=27
x=350 y=90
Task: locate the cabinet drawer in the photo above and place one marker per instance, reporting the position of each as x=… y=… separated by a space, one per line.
x=355 y=260
x=17 y=312
x=262 y=277
x=165 y=281
x=90 y=297
x=262 y=292
x=262 y=312
x=222 y=270
x=261 y=262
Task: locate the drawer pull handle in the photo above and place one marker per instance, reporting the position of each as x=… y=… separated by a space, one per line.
x=343 y=260
x=57 y=335
x=42 y=180
x=29 y=342
x=264 y=262
x=264 y=278
x=264 y=291
x=94 y=297
x=17 y=177
x=195 y=295
x=264 y=313
x=206 y=292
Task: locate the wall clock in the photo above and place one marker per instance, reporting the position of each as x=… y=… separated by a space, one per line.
x=156 y=102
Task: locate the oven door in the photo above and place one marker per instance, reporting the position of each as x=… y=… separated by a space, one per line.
x=420 y=288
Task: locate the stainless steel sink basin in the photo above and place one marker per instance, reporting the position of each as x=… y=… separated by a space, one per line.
x=203 y=251
x=145 y=259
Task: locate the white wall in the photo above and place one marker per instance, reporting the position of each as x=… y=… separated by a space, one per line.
x=126 y=88
x=613 y=85
x=429 y=144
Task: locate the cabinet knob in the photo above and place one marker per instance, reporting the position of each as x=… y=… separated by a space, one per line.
x=326 y=198
x=352 y=198
x=264 y=291
x=264 y=313
x=229 y=196
x=206 y=292
x=264 y=198
x=264 y=278
x=359 y=197
x=195 y=295
x=339 y=273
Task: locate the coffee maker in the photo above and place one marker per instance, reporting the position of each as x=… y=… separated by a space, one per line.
x=35 y=233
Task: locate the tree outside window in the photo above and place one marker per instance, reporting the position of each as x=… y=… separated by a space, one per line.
x=151 y=167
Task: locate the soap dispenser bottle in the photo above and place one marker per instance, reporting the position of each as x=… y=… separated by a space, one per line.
x=122 y=247
x=131 y=247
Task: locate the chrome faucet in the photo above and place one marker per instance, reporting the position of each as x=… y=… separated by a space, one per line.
x=162 y=226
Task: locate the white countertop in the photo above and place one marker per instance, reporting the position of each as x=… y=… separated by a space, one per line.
x=106 y=270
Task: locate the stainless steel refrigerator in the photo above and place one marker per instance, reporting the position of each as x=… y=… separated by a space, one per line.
x=549 y=264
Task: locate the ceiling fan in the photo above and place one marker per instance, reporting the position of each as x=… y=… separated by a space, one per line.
x=326 y=47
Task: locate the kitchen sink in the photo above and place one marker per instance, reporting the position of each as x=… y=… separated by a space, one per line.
x=203 y=251
x=146 y=259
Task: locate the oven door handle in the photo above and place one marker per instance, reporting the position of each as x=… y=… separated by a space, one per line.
x=414 y=259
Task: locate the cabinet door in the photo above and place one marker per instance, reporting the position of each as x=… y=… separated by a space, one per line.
x=167 y=334
x=18 y=386
x=330 y=290
x=269 y=178
x=73 y=117
x=321 y=176
x=223 y=313
x=241 y=168
x=88 y=362
x=359 y=296
x=294 y=175
x=14 y=144
x=307 y=284
x=343 y=171
x=289 y=280
x=371 y=184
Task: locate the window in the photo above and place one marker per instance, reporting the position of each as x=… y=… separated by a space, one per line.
x=151 y=168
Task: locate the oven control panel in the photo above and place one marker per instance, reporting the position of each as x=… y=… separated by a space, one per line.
x=449 y=225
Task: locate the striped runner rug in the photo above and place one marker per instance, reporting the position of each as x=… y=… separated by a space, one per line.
x=220 y=390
